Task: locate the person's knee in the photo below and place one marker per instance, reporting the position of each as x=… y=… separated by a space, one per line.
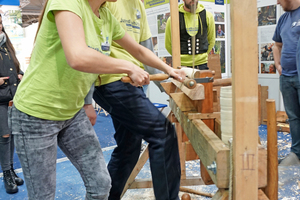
x=101 y=192
x=5 y=139
x=6 y=136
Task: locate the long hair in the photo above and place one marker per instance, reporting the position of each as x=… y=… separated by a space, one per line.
x=12 y=51
x=41 y=19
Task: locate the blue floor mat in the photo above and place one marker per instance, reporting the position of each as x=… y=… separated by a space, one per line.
x=70 y=185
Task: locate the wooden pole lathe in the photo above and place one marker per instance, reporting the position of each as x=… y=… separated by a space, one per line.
x=272 y=160
x=243 y=16
x=207 y=105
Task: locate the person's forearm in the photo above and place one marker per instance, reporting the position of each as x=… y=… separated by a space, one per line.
x=91 y=61
x=277 y=55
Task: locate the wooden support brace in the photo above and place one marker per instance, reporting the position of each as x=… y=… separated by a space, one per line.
x=139 y=165
x=272 y=186
x=213 y=115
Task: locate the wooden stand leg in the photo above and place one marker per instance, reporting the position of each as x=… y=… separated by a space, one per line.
x=181 y=148
x=272 y=159
x=139 y=165
x=221 y=194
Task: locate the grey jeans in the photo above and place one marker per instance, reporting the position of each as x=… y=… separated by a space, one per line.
x=36 y=143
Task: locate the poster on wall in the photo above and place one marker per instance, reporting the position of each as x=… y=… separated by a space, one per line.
x=267 y=13
x=158 y=12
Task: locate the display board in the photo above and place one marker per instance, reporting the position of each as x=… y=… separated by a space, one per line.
x=158 y=12
x=268 y=15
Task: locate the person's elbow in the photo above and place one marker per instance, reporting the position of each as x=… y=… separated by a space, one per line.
x=75 y=60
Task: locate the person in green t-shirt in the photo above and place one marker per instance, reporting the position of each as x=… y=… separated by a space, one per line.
x=135 y=117
x=72 y=48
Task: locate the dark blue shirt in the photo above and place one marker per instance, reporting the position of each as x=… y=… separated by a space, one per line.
x=288 y=32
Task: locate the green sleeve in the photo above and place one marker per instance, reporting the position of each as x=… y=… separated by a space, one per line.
x=211 y=32
x=168 y=37
x=57 y=5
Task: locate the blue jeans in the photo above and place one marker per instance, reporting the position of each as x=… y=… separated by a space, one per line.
x=290 y=89
x=136 y=118
x=36 y=143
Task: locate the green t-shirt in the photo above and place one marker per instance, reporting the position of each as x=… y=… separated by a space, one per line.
x=132 y=16
x=51 y=89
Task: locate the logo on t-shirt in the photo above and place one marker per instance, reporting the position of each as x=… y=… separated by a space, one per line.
x=296 y=23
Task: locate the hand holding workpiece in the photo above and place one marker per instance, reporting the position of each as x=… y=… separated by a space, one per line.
x=177 y=74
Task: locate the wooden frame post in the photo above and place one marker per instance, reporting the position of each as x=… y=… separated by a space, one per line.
x=272 y=164
x=245 y=100
x=175 y=33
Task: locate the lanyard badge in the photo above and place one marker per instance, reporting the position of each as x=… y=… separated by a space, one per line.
x=138 y=14
x=105 y=46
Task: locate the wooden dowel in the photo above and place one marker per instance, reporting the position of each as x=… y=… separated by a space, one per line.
x=189 y=83
x=183 y=189
x=272 y=152
x=153 y=77
x=222 y=82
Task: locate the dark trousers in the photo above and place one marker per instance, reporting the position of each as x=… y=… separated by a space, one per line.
x=290 y=89
x=136 y=118
x=6 y=144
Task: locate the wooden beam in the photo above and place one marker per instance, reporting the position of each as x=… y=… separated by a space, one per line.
x=196 y=93
x=181 y=148
x=183 y=102
x=175 y=33
x=206 y=144
x=272 y=186
x=139 y=165
x=210 y=148
x=169 y=87
x=147 y=183
x=262 y=195
x=213 y=115
x=245 y=98
x=221 y=194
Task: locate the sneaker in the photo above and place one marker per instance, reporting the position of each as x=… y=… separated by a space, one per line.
x=290 y=160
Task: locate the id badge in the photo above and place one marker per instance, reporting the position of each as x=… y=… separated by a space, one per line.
x=105 y=46
x=138 y=14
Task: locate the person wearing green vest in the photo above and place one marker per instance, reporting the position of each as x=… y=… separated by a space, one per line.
x=72 y=48
x=202 y=26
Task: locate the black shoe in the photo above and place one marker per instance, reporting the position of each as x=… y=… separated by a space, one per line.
x=9 y=182
x=18 y=180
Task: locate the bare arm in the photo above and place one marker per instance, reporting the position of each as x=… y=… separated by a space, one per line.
x=277 y=56
x=82 y=58
x=147 y=57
